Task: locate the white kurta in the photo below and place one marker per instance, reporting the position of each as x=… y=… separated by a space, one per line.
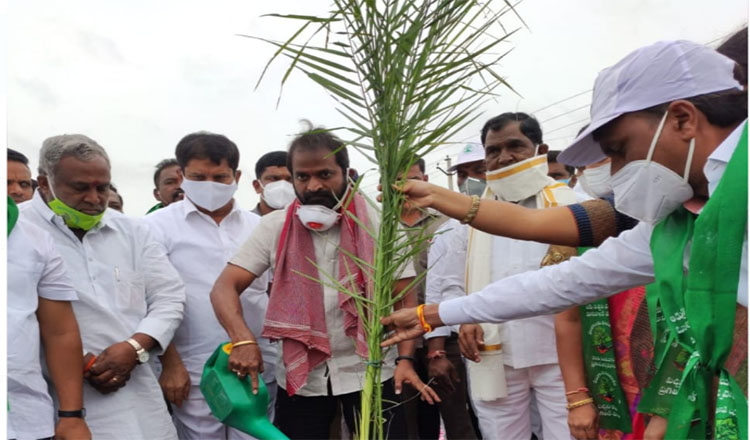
x=618 y=264
x=35 y=270
x=199 y=249
x=125 y=285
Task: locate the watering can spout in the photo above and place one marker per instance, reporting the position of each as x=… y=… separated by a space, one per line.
x=231 y=398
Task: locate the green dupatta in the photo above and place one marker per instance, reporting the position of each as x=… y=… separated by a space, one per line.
x=12 y=214
x=698 y=308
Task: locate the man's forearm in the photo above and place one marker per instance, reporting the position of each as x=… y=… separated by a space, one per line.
x=409 y=299
x=228 y=310
x=63 y=350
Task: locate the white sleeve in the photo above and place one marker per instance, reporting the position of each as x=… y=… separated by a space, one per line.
x=618 y=264
x=446 y=276
x=54 y=283
x=165 y=293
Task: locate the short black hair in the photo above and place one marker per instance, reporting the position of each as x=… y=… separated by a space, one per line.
x=421 y=164
x=17 y=156
x=735 y=47
x=552 y=157
x=113 y=187
x=318 y=137
x=272 y=159
x=166 y=163
x=211 y=146
x=529 y=126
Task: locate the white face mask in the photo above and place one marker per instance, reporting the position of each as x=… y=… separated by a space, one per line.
x=647 y=190
x=317 y=217
x=519 y=181
x=209 y=195
x=473 y=187
x=596 y=182
x=278 y=195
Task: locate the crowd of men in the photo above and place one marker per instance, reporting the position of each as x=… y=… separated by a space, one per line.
x=140 y=304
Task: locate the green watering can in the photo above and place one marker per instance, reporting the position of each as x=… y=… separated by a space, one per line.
x=231 y=398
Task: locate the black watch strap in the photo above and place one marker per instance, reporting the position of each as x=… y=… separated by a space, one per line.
x=81 y=413
x=408 y=358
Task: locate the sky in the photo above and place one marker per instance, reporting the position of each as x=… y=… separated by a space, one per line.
x=137 y=76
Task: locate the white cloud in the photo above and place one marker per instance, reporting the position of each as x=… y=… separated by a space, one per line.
x=139 y=75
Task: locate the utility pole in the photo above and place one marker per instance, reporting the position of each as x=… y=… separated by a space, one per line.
x=449 y=175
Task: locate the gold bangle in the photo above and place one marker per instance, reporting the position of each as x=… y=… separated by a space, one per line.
x=472 y=211
x=241 y=343
x=580 y=403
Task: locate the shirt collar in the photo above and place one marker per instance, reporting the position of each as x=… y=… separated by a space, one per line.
x=189 y=207
x=719 y=158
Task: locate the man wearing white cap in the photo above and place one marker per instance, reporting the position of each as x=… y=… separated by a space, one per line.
x=673 y=119
x=470 y=169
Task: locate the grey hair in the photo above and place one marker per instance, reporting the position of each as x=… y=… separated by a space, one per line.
x=57 y=147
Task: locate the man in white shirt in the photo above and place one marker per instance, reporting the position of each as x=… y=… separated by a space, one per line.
x=130 y=298
x=678 y=106
x=516 y=161
x=39 y=297
x=323 y=364
x=273 y=183
x=201 y=233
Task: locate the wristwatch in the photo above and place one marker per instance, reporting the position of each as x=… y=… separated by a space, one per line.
x=141 y=354
x=81 y=413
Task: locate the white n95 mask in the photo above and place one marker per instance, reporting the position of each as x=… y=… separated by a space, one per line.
x=520 y=180
x=647 y=190
x=278 y=195
x=597 y=182
x=208 y=195
x=317 y=217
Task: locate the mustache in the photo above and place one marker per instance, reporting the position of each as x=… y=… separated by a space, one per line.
x=324 y=198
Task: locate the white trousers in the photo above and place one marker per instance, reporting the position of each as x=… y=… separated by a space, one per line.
x=194 y=420
x=510 y=417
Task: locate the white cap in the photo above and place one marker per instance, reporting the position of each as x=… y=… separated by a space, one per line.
x=649 y=76
x=469 y=153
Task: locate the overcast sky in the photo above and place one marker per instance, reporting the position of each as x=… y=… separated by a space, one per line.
x=138 y=75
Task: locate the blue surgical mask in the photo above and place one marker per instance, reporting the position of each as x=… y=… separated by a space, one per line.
x=565 y=181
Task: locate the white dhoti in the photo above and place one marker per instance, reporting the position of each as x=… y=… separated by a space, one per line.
x=510 y=417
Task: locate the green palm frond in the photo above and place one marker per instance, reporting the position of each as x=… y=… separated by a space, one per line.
x=407 y=76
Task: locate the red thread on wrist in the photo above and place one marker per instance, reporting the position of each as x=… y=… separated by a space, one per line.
x=579 y=390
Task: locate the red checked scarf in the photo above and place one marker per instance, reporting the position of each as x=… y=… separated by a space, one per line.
x=296 y=311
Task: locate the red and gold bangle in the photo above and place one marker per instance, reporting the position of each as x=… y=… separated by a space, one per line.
x=420 y=313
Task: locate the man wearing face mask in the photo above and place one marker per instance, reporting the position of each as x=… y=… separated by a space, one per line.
x=318 y=326
x=217 y=227
x=130 y=298
x=469 y=169
x=516 y=161
x=273 y=183
x=672 y=117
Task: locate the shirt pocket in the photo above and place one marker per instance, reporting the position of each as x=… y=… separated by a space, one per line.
x=130 y=292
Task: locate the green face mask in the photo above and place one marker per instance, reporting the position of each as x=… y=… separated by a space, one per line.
x=73 y=218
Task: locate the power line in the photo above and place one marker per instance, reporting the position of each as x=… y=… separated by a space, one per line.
x=568 y=125
x=562 y=100
x=566 y=113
